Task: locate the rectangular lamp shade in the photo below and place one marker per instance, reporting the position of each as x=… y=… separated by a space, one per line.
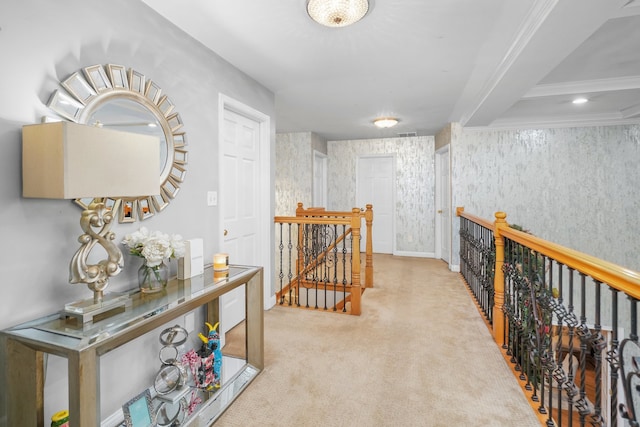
x=66 y=160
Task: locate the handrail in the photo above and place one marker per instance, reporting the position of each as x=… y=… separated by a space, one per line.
x=618 y=277
x=311 y=220
x=481 y=221
x=319 y=212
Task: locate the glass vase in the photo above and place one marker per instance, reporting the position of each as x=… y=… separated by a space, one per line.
x=153 y=279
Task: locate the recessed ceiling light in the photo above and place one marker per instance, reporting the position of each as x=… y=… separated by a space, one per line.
x=385 y=122
x=580 y=101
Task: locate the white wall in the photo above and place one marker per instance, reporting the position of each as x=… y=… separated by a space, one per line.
x=42 y=43
x=577 y=187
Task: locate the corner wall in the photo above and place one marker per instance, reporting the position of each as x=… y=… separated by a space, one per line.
x=294 y=170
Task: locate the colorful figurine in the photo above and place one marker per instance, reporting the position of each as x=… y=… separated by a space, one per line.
x=212 y=341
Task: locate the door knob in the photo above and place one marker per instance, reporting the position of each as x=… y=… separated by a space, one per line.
x=225 y=232
x=439 y=211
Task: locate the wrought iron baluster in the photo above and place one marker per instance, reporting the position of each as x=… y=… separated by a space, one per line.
x=558 y=350
x=290 y=275
x=612 y=357
x=335 y=269
x=598 y=343
x=583 y=331
x=280 y=272
x=344 y=271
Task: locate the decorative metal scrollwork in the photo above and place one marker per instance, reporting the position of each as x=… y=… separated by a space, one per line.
x=630 y=370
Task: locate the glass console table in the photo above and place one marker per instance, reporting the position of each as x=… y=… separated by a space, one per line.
x=83 y=344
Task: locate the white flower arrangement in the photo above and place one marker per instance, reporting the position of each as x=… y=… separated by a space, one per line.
x=154 y=246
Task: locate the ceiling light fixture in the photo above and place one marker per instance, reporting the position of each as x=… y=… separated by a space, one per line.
x=580 y=101
x=337 y=13
x=385 y=122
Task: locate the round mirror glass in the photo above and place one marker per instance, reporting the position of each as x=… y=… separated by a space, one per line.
x=129 y=116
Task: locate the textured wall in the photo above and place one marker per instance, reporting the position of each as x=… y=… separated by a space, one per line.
x=576 y=186
x=294 y=174
x=415 y=199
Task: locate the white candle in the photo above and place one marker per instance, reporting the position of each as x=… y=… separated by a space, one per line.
x=220 y=262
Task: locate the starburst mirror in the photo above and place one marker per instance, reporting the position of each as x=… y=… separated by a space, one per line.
x=114 y=97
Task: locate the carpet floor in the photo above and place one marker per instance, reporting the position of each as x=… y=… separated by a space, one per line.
x=419 y=355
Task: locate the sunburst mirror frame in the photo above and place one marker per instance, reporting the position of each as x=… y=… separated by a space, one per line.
x=90 y=88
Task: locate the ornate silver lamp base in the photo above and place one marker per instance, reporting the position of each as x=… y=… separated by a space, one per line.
x=96 y=276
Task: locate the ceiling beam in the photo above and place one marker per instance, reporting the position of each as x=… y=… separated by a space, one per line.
x=536 y=50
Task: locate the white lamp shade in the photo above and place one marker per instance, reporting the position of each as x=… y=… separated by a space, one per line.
x=66 y=160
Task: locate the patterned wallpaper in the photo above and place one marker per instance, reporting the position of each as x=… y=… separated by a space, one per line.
x=577 y=187
x=415 y=174
x=293 y=175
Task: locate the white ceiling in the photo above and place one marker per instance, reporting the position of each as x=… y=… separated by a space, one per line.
x=498 y=63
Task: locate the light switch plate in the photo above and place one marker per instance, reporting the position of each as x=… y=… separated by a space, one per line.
x=212 y=198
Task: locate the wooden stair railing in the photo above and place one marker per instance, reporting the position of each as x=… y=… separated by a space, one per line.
x=367 y=214
x=565 y=321
x=305 y=264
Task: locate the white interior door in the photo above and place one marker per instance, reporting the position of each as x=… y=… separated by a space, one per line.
x=375 y=185
x=319 y=179
x=240 y=154
x=443 y=203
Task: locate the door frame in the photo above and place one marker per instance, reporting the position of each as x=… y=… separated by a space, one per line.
x=394 y=190
x=442 y=154
x=265 y=193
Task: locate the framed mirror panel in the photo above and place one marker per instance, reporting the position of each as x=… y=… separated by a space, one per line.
x=114 y=97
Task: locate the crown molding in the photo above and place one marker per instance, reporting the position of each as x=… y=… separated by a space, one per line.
x=586 y=120
x=584 y=86
x=633 y=111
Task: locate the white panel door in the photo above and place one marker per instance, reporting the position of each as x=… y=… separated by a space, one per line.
x=239 y=204
x=375 y=185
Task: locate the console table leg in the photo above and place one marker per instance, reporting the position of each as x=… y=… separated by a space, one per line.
x=25 y=385
x=255 y=321
x=84 y=389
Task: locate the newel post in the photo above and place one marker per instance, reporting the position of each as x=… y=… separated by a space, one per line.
x=355 y=261
x=368 y=267
x=498 y=280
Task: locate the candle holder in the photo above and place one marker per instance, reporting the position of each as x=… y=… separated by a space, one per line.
x=221 y=262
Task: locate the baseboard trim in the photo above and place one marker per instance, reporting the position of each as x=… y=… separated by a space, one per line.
x=415 y=254
x=270 y=302
x=455 y=268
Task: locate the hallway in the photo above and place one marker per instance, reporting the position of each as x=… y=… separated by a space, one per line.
x=419 y=355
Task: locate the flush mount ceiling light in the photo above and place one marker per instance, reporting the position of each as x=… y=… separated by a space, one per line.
x=337 y=13
x=385 y=122
x=580 y=101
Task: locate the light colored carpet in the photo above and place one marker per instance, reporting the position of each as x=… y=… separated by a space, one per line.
x=419 y=355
